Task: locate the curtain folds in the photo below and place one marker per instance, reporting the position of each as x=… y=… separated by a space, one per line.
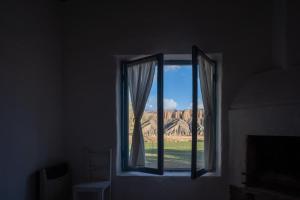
x=206 y=73
x=140 y=78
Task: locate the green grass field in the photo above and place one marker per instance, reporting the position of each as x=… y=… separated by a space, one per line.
x=177 y=154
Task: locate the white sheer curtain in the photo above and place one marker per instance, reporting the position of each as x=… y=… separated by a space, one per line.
x=206 y=71
x=140 y=78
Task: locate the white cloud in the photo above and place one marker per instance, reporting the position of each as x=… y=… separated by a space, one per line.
x=171 y=67
x=151 y=104
x=170 y=104
x=200 y=105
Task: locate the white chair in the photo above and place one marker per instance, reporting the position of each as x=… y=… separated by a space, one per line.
x=99 y=174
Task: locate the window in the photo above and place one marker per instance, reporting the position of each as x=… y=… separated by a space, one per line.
x=177 y=114
x=168 y=114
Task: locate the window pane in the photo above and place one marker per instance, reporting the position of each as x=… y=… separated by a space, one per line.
x=177 y=117
x=200 y=129
x=149 y=126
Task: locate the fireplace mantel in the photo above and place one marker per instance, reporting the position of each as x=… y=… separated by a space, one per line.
x=272 y=164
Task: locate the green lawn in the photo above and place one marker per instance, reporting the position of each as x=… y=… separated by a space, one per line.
x=177 y=154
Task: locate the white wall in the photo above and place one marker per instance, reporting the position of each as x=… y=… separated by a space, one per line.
x=32 y=82
x=94 y=33
x=269 y=120
x=268 y=104
x=30 y=94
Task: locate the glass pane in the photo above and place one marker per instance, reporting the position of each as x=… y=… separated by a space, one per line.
x=149 y=126
x=177 y=117
x=200 y=128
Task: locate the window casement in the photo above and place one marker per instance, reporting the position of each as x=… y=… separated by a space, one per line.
x=204 y=80
x=144 y=124
x=133 y=76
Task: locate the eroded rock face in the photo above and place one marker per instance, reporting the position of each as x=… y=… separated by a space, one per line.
x=177 y=127
x=177 y=122
x=187 y=115
x=149 y=127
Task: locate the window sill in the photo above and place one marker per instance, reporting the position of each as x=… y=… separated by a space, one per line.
x=166 y=174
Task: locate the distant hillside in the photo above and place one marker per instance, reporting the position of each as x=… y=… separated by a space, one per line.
x=177 y=122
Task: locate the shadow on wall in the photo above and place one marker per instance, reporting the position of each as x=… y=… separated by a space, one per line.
x=32 y=187
x=274 y=87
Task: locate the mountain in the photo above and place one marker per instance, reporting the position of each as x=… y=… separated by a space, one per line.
x=176 y=122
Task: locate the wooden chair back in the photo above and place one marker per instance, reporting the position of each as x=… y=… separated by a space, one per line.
x=99 y=163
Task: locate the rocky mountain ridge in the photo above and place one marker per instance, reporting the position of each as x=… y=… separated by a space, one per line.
x=176 y=122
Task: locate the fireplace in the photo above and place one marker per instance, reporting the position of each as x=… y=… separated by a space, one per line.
x=273 y=163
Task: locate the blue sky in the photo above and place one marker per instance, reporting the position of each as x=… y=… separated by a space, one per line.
x=177 y=89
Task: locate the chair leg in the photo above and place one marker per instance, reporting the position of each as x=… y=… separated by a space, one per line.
x=110 y=192
x=74 y=195
x=100 y=195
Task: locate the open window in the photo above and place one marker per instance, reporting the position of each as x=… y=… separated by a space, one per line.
x=168 y=114
x=140 y=78
x=204 y=103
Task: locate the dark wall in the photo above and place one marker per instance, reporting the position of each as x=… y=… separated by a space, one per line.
x=292 y=33
x=94 y=33
x=268 y=103
x=30 y=94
